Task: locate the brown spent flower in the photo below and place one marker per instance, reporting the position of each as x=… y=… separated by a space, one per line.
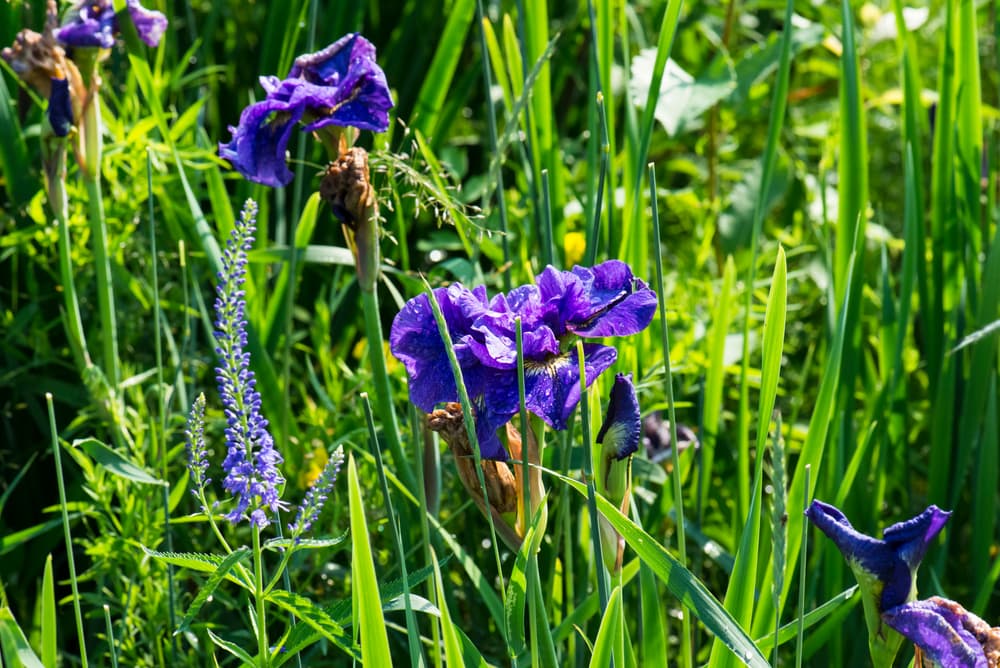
x=346 y=187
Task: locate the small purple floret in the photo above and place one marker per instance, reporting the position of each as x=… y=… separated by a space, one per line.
x=94 y=23
x=893 y=560
x=341 y=85
x=606 y=300
x=251 y=462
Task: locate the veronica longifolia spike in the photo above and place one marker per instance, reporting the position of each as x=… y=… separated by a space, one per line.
x=251 y=463
x=606 y=300
x=315 y=498
x=339 y=86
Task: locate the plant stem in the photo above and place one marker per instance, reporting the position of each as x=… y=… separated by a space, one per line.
x=386 y=410
x=258 y=583
x=56 y=455
x=99 y=232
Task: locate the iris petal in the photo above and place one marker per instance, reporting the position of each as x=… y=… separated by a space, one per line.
x=938 y=627
x=622 y=424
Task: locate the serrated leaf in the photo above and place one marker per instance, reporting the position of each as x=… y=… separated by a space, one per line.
x=207 y=589
x=194 y=561
x=315 y=617
x=116 y=463
x=305 y=543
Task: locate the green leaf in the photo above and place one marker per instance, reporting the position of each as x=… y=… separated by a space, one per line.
x=607 y=634
x=365 y=596
x=116 y=463
x=680 y=581
x=279 y=544
x=14 y=644
x=49 y=647
x=683 y=98
x=232 y=648
x=13 y=540
x=316 y=618
x=195 y=561
x=452 y=645
x=210 y=585
x=813 y=617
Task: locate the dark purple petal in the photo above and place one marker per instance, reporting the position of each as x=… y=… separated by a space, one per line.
x=893 y=561
x=622 y=424
x=257 y=149
x=60 y=110
x=360 y=94
x=90 y=23
x=552 y=385
x=618 y=304
x=150 y=24
x=938 y=627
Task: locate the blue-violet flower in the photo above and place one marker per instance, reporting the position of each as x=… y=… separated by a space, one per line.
x=60 y=109
x=339 y=86
x=251 y=462
x=947 y=633
x=606 y=300
x=95 y=23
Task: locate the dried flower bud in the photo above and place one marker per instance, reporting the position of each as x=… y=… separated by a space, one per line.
x=346 y=187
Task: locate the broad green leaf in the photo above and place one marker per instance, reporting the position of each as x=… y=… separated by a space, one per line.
x=365 y=596
x=209 y=586
x=116 y=463
x=14 y=644
x=683 y=98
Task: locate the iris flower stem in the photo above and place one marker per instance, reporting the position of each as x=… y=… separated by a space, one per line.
x=60 y=207
x=99 y=234
x=258 y=582
x=386 y=410
x=588 y=472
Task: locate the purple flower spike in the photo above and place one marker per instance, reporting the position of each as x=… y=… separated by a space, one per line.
x=622 y=425
x=893 y=561
x=604 y=301
x=948 y=634
x=339 y=86
x=94 y=23
x=251 y=462
x=315 y=498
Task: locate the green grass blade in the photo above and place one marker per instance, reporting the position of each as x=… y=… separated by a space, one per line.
x=607 y=634
x=49 y=648
x=986 y=483
x=741 y=591
x=14 y=643
x=18 y=181
x=452 y=645
x=438 y=80
x=367 y=603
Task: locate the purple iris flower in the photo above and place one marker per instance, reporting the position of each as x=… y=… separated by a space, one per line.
x=948 y=634
x=339 y=86
x=251 y=462
x=622 y=425
x=60 y=109
x=94 y=23
x=892 y=560
x=606 y=300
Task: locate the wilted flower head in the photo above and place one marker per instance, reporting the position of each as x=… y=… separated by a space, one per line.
x=39 y=61
x=251 y=462
x=339 y=86
x=606 y=300
x=947 y=633
x=94 y=23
